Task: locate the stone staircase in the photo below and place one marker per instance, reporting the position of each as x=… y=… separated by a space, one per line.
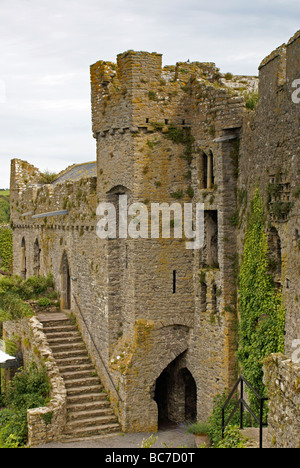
x=89 y=413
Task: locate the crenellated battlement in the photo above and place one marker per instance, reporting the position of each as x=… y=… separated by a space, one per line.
x=137 y=90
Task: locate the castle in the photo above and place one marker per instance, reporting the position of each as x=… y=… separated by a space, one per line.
x=162 y=317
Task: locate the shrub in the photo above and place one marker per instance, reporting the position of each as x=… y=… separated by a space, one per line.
x=232 y=438
x=199 y=428
x=14 y=292
x=36 y=285
x=48 y=177
x=297 y=192
x=44 y=302
x=215 y=419
x=4 y=208
x=29 y=388
x=6 y=249
x=251 y=100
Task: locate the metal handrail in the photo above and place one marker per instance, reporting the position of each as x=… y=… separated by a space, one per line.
x=243 y=404
x=98 y=352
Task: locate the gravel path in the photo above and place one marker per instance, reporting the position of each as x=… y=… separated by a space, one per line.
x=172 y=437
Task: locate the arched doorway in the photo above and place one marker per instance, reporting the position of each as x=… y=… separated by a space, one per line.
x=65 y=283
x=176 y=394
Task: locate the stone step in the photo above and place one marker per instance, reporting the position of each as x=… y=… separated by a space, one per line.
x=79 y=345
x=88 y=409
x=88 y=406
x=88 y=381
x=73 y=367
x=78 y=374
x=87 y=395
x=64 y=361
x=70 y=340
x=67 y=354
x=87 y=421
x=61 y=334
x=87 y=390
x=58 y=325
x=252 y=436
x=79 y=433
x=60 y=328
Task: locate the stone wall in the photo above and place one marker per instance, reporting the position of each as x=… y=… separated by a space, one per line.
x=175 y=134
x=45 y=423
x=269 y=160
x=282 y=378
x=154 y=126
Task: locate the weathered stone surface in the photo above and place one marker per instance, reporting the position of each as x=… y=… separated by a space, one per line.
x=282 y=378
x=174 y=134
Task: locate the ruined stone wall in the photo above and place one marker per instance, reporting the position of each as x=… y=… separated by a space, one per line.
x=73 y=234
x=269 y=160
x=282 y=378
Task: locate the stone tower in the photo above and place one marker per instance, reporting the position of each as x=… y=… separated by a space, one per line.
x=167 y=135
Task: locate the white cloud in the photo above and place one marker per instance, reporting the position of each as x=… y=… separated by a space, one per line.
x=46 y=49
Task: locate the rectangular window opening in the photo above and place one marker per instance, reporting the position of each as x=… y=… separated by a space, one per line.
x=174 y=281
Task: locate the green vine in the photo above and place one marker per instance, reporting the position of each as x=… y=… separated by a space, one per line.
x=6 y=251
x=262 y=316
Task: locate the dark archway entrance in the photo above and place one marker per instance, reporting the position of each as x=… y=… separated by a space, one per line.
x=190 y=390
x=66 y=283
x=176 y=394
x=161 y=398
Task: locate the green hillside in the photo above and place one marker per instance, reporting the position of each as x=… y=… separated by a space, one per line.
x=4 y=207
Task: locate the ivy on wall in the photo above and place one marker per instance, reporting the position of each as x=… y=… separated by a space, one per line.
x=6 y=249
x=262 y=316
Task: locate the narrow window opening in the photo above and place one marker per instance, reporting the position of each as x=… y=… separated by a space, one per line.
x=174 y=281
x=203 y=297
x=214 y=297
x=204 y=172
x=147 y=120
x=166 y=121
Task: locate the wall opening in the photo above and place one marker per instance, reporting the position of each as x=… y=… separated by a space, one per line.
x=176 y=395
x=65 y=283
x=214 y=301
x=209 y=253
x=211 y=174
x=206 y=170
x=23 y=259
x=203 y=297
x=203 y=171
x=274 y=255
x=36 y=258
x=174 y=281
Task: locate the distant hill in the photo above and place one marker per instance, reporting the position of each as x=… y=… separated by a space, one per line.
x=4 y=207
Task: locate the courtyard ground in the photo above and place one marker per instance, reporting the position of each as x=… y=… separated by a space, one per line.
x=172 y=437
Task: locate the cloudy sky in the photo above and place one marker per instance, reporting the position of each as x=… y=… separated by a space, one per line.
x=47 y=46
